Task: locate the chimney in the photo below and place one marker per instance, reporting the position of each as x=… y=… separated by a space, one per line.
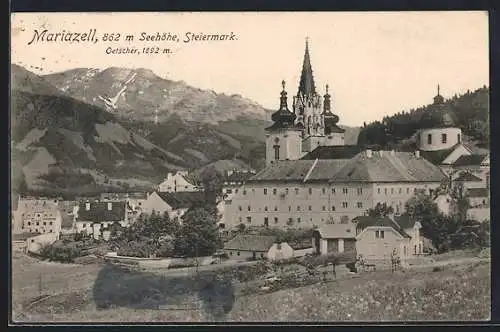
x=393 y=153
x=87 y=206
x=417 y=153
x=110 y=206
x=369 y=153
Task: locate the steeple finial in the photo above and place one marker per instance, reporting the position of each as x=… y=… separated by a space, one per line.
x=326 y=101
x=283 y=84
x=438 y=89
x=283 y=99
x=326 y=88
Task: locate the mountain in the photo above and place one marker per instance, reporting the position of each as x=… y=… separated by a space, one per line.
x=471 y=110
x=140 y=94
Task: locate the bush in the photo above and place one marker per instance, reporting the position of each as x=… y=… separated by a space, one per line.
x=61 y=252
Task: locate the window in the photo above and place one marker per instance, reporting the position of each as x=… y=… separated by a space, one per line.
x=377 y=234
x=310 y=208
x=400 y=190
x=235 y=191
x=298 y=207
x=298 y=219
x=50 y=231
x=381 y=234
x=286 y=191
x=240 y=219
x=333 y=208
x=360 y=191
x=415 y=249
x=429 y=139
x=265 y=208
x=333 y=190
x=244 y=191
x=239 y=207
x=249 y=219
x=443 y=138
x=265 y=191
x=289 y=208
x=324 y=208
x=323 y=191
x=266 y=221
x=344 y=220
x=84 y=225
x=276 y=152
x=359 y=205
x=407 y=190
x=275 y=208
x=37 y=223
x=45 y=223
x=392 y=191
x=458 y=138
x=385 y=191
x=378 y=190
x=275 y=220
x=238 y=253
x=29 y=224
x=310 y=191
x=249 y=208
x=275 y=191
x=296 y=191
x=345 y=191
x=261 y=255
x=230 y=253
x=344 y=205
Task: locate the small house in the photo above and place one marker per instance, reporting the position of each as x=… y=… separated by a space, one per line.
x=243 y=247
x=280 y=251
x=179 y=181
x=378 y=237
x=175 y=204
x=334 y=238
x=93 y=217
x=413 y=228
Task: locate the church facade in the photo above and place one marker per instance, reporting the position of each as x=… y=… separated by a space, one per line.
x=310 y=124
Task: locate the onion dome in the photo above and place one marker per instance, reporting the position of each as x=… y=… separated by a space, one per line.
x=438 y=116
x=283 y=118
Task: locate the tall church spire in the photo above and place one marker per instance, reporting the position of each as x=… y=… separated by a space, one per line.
x=306 y=85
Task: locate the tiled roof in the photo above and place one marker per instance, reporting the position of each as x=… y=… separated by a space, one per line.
x=467 y=177
x=99 y=212
x=239 y=176
x=405 y=221
x=334 y=152
x=251 y=243
x=337 y=231
x=23 y=236
x=388 y=167
x=182 y=199
x=478 y=192
x=326 y=169
x=363 y=222
x=470 y=160
x=284 y=170
x=438 y=156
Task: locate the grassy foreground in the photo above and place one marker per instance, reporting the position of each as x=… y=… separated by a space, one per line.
x=459 y=292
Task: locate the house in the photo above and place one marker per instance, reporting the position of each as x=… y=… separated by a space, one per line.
x=479 y=204
x=179 y=182
x=244 y=247
x=469 y=180
x=175 y=204
x=94 y=217
x=35 y=242
x=39 y=216
x=444 y=203
x=19 y=241
x=334 y=238
x=413 y=228
x=477 y=164
x=235 y=179
x=378 y=237
x=280 y=251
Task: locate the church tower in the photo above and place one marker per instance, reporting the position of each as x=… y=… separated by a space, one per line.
x=307 y=107
x=438 y=129
x=283 y=138
x=334 y=135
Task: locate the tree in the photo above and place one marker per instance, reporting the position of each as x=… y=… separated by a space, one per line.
x=460 y=201
x=213 y=182
x=380 y=210
x=198 y=235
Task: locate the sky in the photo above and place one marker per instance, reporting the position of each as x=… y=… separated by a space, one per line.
x=376 y=63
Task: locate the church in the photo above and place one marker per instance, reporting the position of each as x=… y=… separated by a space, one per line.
x=312 y=178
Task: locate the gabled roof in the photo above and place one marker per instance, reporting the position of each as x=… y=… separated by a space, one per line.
x=337 y=231
x=363 y=222
x=405 y=221
x=237 y=176
x=478 y=192
x=388 y=166
x=99 y=211
x=251 y=243
x=438 y=156
x=470 y=160
x=467 y=177
x=284 y=170
x=182 y=199
x=333 y=152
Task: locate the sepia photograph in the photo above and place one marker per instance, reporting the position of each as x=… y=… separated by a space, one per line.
x=223 y=167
